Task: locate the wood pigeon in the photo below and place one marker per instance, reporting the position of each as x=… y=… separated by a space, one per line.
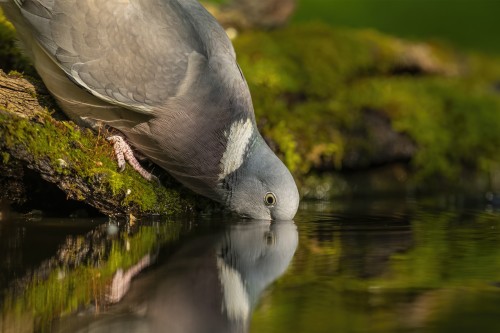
x=163 y=73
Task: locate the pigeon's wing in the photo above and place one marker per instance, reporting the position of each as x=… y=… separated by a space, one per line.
x=130 y=53
x=163 y=72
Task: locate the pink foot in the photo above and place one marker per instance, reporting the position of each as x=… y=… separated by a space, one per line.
x=124 y=153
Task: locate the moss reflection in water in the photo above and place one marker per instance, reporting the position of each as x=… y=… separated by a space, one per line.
x=71 y=287
x=426 y=273
x=452 y=251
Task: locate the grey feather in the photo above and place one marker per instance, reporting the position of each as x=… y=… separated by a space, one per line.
x=141 y=69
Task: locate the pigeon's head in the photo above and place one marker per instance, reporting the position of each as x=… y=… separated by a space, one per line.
x=262 y=187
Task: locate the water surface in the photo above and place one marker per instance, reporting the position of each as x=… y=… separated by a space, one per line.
x=392 y=265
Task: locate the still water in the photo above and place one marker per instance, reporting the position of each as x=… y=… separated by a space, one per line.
x=394 y=265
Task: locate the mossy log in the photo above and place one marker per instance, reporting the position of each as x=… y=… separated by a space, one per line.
x=35 y=136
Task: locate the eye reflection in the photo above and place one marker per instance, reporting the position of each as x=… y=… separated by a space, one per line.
x=269 y=238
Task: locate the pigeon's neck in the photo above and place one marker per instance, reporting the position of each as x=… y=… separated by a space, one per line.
x=251 y=149
x=240 y=140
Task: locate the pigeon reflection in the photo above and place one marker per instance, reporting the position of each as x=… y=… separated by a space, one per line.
x=211 y=284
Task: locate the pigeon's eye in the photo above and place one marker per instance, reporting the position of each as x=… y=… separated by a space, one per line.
x=270 y=199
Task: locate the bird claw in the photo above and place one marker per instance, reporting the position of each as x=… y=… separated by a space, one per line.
x=124 y=154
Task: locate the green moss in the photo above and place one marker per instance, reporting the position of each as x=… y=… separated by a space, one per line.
x=311 y=85
x=5 y=157
x=455 y=123
x=68 y=149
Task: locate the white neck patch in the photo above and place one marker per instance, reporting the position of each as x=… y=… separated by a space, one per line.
x=237 y=142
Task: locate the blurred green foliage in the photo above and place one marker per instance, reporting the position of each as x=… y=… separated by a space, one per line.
x=456 y=123
x=319 y=81
x=466 y=23
x=11 y=58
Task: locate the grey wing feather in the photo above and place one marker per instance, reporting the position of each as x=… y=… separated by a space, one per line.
x=131 y=53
